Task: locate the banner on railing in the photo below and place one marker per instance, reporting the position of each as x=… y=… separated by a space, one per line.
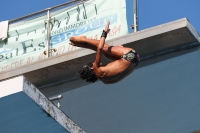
x=27 y=40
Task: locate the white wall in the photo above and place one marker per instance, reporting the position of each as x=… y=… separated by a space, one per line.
x=11 y=86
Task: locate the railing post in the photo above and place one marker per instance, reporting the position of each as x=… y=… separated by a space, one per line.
x=48 y=34
x=135 y=16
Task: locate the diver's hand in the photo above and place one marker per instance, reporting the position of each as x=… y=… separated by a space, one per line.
x=107 y=27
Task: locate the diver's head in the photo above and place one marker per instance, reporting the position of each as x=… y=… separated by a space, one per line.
x=87 y=73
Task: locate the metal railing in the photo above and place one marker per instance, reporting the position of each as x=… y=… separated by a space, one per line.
x=44 y=12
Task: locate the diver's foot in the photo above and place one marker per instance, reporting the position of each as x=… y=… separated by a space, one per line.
x=76 y=40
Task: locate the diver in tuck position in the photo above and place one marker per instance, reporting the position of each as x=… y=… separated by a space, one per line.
x=124 y=59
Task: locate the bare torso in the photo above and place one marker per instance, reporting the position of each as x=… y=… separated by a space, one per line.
x=114 y=71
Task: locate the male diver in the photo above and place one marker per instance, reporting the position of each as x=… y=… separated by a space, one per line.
x=124 y=59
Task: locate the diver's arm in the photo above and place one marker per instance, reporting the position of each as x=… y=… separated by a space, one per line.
x=101 y=45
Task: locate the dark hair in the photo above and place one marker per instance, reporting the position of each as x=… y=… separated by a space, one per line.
x=87 y=74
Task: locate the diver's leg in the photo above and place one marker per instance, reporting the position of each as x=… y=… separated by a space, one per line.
x=113 y=52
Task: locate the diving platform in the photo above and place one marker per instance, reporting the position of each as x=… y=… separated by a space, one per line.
x=63 y=68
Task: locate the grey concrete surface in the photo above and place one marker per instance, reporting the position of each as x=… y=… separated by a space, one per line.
x=149 y=42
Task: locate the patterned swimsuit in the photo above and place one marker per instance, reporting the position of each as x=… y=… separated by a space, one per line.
x=132 y=57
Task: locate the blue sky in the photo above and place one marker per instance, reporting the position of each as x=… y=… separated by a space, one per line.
x=151 y=12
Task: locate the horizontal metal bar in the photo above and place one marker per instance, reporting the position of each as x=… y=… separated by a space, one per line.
x=56 y=98
x=64 y=4
x=45 y=10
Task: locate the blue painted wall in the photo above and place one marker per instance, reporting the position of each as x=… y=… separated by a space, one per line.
x=20 y=114
x=161 y=96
